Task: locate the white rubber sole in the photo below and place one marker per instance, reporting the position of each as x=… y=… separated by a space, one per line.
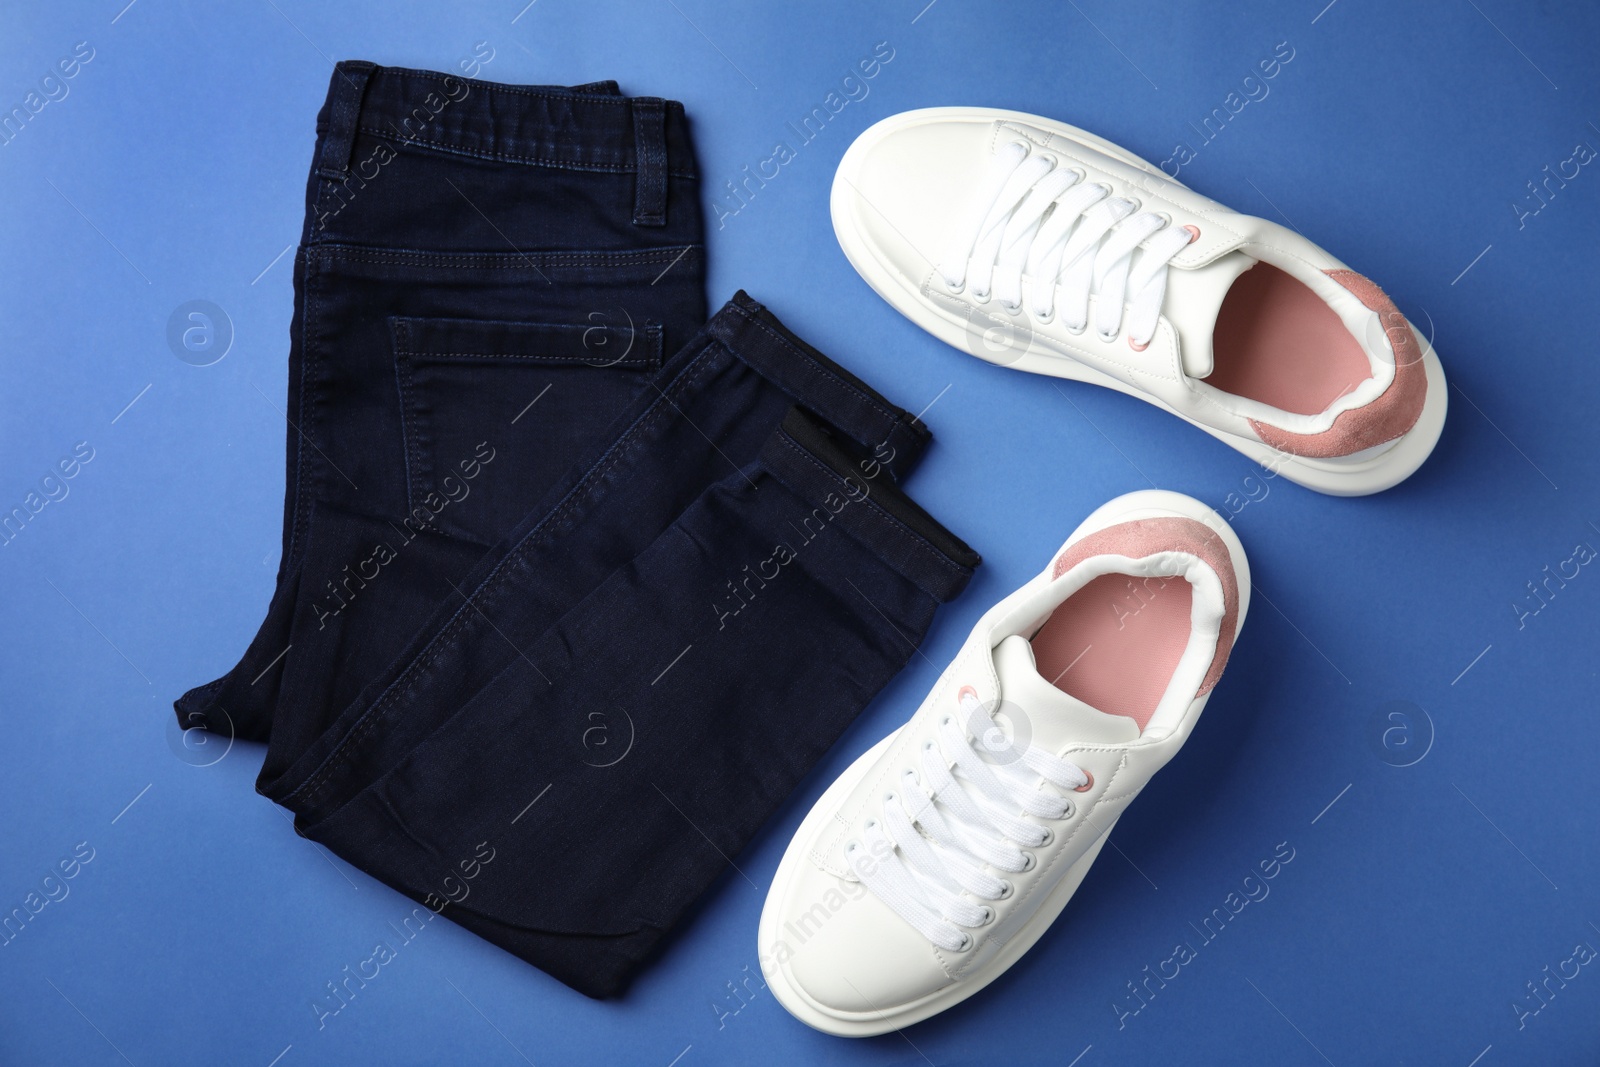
x=1143 y=504
x=1336 y=477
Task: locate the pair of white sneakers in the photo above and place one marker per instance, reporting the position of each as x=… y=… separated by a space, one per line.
x=944 y=852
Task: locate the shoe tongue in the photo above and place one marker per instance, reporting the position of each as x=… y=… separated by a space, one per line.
x=1194 y=297
x=1052 y=719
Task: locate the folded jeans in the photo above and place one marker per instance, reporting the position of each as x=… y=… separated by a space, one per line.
x=569 y=605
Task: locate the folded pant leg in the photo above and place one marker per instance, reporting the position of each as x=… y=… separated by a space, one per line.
x=718 y=665
x=720 y=591
x=708 y=412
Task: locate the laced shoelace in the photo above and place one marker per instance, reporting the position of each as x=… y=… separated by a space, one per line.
x=941 y=828
x=1032 y=218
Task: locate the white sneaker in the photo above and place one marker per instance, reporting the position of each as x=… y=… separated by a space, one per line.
x=1036 y=245
x=942 y=854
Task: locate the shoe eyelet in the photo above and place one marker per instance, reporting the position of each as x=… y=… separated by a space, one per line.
x=964 y=692
x=1070 y=810
x=928 y=745
x=1136 y=346
x=956 y=289
x=852 y=847
x=869 y=824
x=1052 y=160
x=1010 y=309
x=1107 y=337
x=1046 y=319
x=1194 y=233
x=946 y=721
x=1028 y=862
x=988 y=915
x=1076 y=331
x=1049 y=838
x=981 y=298
x=1166 y=220
x=966 y=943
x=1006 y=891
x=889 y=798
x=1086 y=786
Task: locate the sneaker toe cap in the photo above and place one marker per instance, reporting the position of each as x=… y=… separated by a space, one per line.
x=848 y=954
x=898 y=189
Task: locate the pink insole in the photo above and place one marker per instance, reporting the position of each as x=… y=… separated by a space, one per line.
x=1277 y=342
x=1115 y=643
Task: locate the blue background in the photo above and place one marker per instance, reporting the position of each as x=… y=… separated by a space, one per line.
x=1385 y=669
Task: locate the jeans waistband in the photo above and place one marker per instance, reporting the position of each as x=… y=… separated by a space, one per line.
x=587 y=127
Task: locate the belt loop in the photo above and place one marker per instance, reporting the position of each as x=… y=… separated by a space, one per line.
x=650 y=140
x=349 y=85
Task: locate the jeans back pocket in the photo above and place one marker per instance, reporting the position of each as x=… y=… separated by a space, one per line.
x=494 y=412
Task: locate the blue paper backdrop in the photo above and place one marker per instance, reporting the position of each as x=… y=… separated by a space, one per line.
x=1402 y=713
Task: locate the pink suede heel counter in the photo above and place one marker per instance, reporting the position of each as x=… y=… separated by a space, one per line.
x=1387 y=417
x=1145 y=537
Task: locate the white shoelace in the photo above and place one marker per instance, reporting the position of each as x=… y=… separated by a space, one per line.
x=941 y=829
x=1030 y=217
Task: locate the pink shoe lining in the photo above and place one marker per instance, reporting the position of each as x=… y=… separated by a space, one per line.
x=1143 y=630
x=1115 y=643
x=1391 y=414
x=1279 y=343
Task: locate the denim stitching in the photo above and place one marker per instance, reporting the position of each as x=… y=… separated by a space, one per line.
x=314 y=786
x=893 y=418
x=519 y=90
x=512 y=157
x=877 y=510
x=650 y=357
x=301 y=514
x=570 y=361
x=500 y=260
x=447 y=634
x=408 y=429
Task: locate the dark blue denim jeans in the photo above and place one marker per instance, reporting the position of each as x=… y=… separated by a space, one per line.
x=576 y=586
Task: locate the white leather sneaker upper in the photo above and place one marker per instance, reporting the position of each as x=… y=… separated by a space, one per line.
x=981 y=222
x=937 y=858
